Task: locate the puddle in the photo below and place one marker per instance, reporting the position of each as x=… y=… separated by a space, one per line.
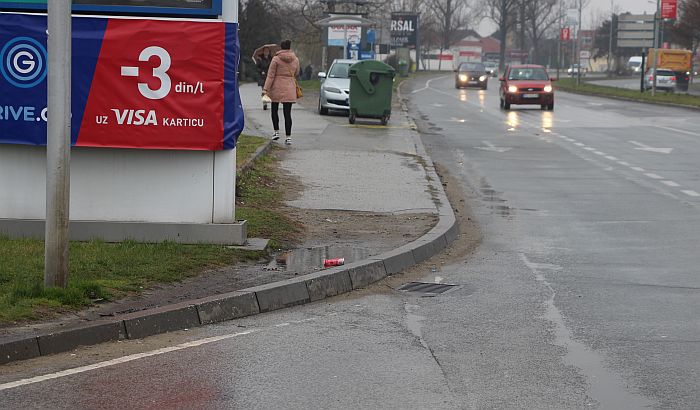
x=308 y=260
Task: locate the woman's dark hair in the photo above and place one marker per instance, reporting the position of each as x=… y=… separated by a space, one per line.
x=286 y=44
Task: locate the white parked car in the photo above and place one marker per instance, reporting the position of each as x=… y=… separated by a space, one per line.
x=335 y=87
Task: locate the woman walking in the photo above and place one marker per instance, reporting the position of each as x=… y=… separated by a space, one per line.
x=280 y=86
x=263 y=64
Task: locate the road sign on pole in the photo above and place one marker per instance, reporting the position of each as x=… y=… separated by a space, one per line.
x=635 y=31
x=58 y=142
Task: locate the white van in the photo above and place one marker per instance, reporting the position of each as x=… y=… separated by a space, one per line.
x=635 y=64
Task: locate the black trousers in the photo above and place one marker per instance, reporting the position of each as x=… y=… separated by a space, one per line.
x=287 y=110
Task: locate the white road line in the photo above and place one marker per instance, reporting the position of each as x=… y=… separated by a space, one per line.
x=599 y=153
x=623 y=163
x=695 y=134
x=638 y=169
x=611 y=158
x=653 y=176
x=120 y=360
x=579 y=144
x=670 y=183
x=690 y=193
x=589 y=149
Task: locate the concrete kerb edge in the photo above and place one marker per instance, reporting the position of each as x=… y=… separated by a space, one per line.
x=262 y=150
x=278 y=295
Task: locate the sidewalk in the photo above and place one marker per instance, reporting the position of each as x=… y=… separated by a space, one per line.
x=363 y=169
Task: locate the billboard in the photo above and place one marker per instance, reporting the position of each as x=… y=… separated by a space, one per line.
x=669 y=9
x=404 y=30
x=343 y=29
x=150 y=84
x=202 y=8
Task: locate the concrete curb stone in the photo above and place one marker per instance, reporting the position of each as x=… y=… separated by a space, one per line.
x=259 y=299
x=69 y=339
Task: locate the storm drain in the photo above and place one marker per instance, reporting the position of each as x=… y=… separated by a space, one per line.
x=427 y=289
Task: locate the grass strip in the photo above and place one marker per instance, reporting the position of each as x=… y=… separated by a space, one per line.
x=569 y=84
x=246 y=147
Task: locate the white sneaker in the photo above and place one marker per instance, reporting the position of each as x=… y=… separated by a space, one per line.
x=276 y=136
x=288 y=140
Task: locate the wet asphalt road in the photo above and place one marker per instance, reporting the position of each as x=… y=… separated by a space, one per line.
x=584 y=292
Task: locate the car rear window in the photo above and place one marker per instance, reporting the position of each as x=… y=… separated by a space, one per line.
x=527 y=73
x=664 y=72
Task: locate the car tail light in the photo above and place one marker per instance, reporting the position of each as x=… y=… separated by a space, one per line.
x=651 y=78
x=673 y=78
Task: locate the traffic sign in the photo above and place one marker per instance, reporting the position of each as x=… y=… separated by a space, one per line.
x=635 y=31
x=565 y=34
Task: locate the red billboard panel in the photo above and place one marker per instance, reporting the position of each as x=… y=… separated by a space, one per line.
x=669 y=9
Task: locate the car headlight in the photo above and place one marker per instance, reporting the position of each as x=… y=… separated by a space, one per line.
x=332 y=90
x=548 y=88
x=463 y=77
x=512 y=89
x=483 y=78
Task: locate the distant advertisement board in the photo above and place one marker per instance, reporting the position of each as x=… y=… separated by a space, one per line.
x=346 y=31
x=136 y=83
x=404 y=30
x=202 y=8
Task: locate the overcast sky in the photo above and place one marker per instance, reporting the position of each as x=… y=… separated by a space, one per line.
x=595 y=7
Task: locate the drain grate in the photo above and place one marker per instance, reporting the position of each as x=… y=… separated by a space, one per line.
x=428 y=289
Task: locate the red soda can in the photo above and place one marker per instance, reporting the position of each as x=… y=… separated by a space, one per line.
x=327 y=263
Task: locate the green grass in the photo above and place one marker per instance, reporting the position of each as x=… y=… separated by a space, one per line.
x=246 y=146
x=98 y=270
x=310 y=85
x=569 y=84
x=258 y=203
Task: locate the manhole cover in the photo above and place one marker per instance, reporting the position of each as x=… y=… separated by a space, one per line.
x=428 y=289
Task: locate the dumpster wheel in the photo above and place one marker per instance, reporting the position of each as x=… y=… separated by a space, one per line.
x=351 y=117
x=385 y=118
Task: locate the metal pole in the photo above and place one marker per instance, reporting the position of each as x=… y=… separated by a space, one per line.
x=561 y=3
x=657 y=16
x=578 y=39
x=58 y=139
x=612 y=15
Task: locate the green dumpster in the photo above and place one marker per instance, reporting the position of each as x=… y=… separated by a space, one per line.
x=371 y=85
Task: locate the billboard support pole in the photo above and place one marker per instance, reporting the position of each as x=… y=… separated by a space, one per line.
x=657 y=21
x=58 y=140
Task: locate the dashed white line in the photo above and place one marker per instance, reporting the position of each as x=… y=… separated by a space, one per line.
x=579 y=144
x=611 y=158
x=599 y=153
x=638 y=169
x=589 y=149
x=690 y=193
x=670 y=183
x=653 y=176
x=623 y=163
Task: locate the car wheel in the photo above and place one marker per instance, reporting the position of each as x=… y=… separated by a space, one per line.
x=550 y=107
x=321 y=109
x=506 y=105
x=351 y=118
x=485 y=87
x=544 y=107
x=500 y=104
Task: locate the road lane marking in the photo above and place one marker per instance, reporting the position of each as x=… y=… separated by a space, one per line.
x=611 y=158
x=120 y=360
x=690 y=193
x=670 y=183
x=427 y=84
x=589 y=149
x=695 y=134
x=579 y=144
x=653 y=176
x=644 y=147
x=638 y=169
x=599 y=153
x=623 y=163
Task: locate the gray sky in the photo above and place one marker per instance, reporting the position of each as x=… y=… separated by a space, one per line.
x=595 y=7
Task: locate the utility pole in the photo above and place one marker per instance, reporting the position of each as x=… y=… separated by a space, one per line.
x=657 y=19
x=612 y=18
x=578 y=56
x=561 y=16
x=58 y=140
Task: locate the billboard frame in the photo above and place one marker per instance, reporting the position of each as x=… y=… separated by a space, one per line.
x=214 y=11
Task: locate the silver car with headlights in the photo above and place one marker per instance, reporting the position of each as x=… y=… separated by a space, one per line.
x=335 y=87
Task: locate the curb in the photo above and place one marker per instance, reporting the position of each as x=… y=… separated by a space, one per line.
x=248 y=164
x=613 y=97
x=259 y=299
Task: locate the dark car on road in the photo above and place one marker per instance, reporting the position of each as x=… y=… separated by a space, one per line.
x=526 y=84
x=471 y=75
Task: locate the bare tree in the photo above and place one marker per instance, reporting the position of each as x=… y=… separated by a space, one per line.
x=540 y=15
x=504 y=13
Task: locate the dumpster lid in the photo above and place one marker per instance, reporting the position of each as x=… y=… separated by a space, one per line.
x=373 y=66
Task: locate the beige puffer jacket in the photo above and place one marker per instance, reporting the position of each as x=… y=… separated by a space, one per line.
x=279 y=85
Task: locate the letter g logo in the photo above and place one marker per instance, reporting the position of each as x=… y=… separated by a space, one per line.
x=23 y=62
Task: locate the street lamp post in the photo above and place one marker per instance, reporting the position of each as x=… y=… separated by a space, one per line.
x=657 y=21
x=610 y=40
